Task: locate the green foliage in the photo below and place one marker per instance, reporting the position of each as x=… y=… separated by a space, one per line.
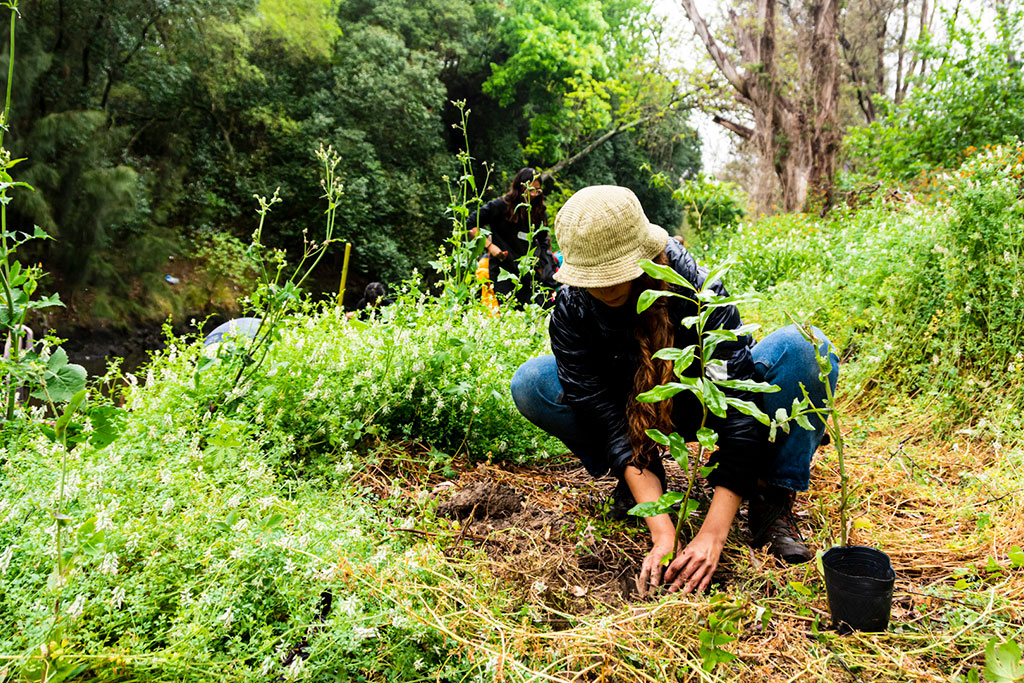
x=972 y=97
x=1003 y=662
x=924 y=297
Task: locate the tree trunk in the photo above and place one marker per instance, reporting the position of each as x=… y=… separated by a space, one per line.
x=796 y=137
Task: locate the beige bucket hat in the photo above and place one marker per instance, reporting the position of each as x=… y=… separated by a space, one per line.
x=603 y=232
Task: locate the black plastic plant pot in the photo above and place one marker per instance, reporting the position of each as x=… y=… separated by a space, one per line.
x=859 y=583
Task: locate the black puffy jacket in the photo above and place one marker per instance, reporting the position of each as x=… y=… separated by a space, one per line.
x=597 y=356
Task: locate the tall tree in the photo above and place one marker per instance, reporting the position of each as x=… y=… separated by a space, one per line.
x=794 y=106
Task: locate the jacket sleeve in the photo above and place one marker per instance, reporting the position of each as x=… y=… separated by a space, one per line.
x=600 y=409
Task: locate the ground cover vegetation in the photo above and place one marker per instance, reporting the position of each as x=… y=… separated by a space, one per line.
x=359 y=499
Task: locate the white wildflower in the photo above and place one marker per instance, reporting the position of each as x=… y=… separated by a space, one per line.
x=237 y=554
x=349 y=605
x=227 y=617
x=361 y=633
x=241 y=525
x=76 y=608
x=5 y=559
x=296 y=669
x=117 y=597
x=166 y=477
x=234 y=501
x=167 y=506
x=185 y=597
x=109 y=564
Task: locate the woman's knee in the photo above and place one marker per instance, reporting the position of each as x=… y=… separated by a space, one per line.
x=529 y=385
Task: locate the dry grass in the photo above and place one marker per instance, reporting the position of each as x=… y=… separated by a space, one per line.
x=544 y=593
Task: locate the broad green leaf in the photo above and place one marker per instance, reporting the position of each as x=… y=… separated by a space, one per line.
x=60 y=427
x=62 y=379
x=717 y=272
x=690 y=320
x=1003 y=662
x=801 y=419
x=749 y=385
x=800 y=588
x=107 y=424
x=652 y=509
x=992 y=566
x=707 y=438
x=1016 y=557
x=722 y=302
x=663 y=391
x=751 y=409
x=680 y=453
x=649 y=296
x=666 y=274
x=705 y=471
x=657 y=436
x=671 y=498
x=746 y=329
x=683 y=358
x=714 y=399
x=720 y=335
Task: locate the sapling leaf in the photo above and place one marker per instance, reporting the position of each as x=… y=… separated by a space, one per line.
x=749 y=385
x=714 y=399
x=671 y=498
x=707 y=438
x=1003 y=662
x=690 y=320
x=743 y=330
x=663 y=391
x=991 y=566
x=801 y=419
x=665 y=273
x=683 y=358
x=705 y=471
x=717 y=272
x=667 y=559
x=680 y=453
x=651 y=509
x=1016 y=557
x=657 y=436
x=800 y=588
x=649 y=296
x=748 y=408
x=773 y=431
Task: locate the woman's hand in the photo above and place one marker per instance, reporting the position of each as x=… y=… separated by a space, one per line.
x=652 y=568
x=693 y=568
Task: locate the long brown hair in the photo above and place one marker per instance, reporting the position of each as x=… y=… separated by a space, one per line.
x=655 y=331
x=520 y=207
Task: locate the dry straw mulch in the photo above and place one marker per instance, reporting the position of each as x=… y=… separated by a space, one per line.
x=537 y=586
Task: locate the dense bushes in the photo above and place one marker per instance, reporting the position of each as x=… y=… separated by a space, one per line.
x=203 y=537
x=925 y=298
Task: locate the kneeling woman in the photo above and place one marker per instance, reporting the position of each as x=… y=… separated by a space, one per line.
x=585 y=394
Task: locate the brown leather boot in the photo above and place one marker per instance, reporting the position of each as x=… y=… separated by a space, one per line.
x=772 y=523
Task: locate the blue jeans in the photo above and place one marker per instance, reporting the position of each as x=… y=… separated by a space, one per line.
x=783 y=358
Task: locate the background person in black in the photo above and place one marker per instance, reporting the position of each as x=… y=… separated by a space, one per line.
x=511 y=218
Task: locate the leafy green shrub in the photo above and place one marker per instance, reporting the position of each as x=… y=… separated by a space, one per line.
x=925 y=298
x=973 y=97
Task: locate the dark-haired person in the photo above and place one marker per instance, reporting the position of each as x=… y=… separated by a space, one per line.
x=517 y=221
x=585 y=394
x=375 y=295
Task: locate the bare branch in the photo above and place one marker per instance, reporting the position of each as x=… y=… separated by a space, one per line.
x=721 y=59
x=738 y=128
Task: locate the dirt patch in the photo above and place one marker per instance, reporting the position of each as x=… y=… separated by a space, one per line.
x=483 y=500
